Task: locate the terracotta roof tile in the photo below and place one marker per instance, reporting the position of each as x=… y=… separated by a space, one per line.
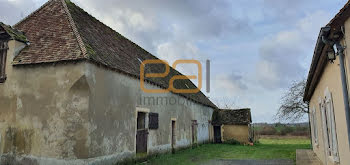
x=62 y=31
x=50 y=35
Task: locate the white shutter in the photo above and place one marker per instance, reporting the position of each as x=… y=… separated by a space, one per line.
x=314 y=120
x=332 y=126
x=324 y=126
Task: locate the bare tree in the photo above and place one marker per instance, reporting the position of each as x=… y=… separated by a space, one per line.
x=293 y=107
x=226 y=103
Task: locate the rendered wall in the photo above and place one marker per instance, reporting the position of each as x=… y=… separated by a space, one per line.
x=43 y=112
x=112 y=115
x=331 y=79
x=236 y=132
x=79 y=113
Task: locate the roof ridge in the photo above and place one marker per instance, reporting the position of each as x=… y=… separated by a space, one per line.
x=31 y=14
x=114 y=30
x=75 y=29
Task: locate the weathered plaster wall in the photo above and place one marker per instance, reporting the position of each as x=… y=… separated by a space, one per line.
x=112 y=115
x=236 y=132
x=79 y=113
x=42 y=112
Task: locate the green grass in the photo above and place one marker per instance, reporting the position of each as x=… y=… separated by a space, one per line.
x=266 y=149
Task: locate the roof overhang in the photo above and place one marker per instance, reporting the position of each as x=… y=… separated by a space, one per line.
x=319 y=59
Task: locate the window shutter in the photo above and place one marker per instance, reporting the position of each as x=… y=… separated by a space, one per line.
x=334 y=132
x=153 y=121
x=324 y=127
x=332 y=126
x=3 y=54
x=314 y=122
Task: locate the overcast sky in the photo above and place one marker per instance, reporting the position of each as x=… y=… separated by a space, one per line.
x=256 y=47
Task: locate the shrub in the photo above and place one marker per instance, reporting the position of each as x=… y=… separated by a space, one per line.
x=286 y=130
x=233 y=142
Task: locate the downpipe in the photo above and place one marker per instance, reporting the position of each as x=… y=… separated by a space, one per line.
x=344 y=86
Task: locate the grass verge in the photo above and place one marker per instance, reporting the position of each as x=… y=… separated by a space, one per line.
x=266 y=149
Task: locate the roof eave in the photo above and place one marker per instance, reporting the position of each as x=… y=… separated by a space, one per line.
x=319 y=46
x=319 y=58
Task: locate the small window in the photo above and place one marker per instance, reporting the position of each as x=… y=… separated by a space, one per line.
x=3 y=54
x=141 y=121
x=153 y=121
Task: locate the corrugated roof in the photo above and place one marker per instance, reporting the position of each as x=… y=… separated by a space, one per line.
x=62 y=31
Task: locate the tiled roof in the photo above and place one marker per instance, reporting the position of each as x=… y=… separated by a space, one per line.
x=62 y=31
x=50 y=35
x=232 y=117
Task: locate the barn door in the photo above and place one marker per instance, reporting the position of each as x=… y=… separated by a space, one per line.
x=142 y=133
x=217 y=134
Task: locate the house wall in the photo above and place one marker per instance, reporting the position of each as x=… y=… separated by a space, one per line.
x=236 y=132
x=331 y=79
x=79 y=113
x=43 y=112
x=114 y=101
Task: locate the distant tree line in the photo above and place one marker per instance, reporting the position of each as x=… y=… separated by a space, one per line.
x=279 y=129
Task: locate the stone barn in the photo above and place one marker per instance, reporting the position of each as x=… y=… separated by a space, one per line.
x=70 y=93
x=232 y=124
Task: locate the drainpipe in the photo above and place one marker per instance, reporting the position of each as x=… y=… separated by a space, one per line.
x=344 y=85
x=340 y=50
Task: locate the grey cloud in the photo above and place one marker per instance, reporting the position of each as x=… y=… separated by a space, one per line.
x=231 y=85
x=279 y=63
x=238 y=80
x=282 y=55
x=193 y=20
x=13 y=11
x=289 y=11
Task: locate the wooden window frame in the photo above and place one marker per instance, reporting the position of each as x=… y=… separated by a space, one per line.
x=3 y=58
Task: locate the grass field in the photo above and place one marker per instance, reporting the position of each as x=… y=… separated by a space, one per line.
x=267 y=149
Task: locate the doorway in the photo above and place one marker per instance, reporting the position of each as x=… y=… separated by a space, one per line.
x=173 y=135
x=142 y=133
x=194 y=132
x=217 y=134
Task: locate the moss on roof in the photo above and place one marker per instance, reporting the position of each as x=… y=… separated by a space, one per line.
x=232 y=117
x=14 y=33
